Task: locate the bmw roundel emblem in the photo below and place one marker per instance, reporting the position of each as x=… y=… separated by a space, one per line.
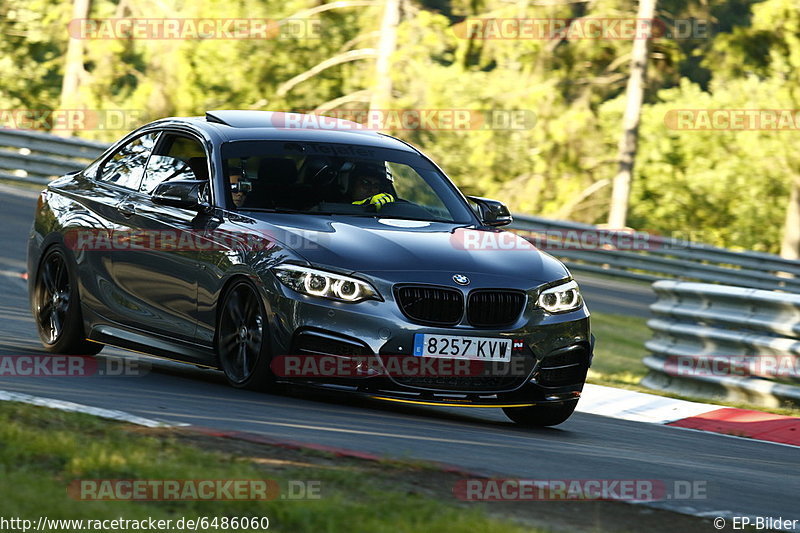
x=461 y=279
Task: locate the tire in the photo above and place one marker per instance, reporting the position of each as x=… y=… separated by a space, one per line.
x=541 y=415
x=242 y=338
x=56 y=306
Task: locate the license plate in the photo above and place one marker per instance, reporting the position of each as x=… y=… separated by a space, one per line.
x=455 y=347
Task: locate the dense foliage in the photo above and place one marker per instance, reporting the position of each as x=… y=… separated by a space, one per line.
x=727 y=187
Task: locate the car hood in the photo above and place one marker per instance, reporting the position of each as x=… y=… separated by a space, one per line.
x=374 y=245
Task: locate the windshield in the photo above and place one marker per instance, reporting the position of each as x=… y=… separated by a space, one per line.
x=338 y=179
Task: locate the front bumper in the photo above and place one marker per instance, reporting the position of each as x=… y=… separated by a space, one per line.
x=550 y=365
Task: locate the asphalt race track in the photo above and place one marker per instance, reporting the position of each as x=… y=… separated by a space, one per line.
x=742 y=477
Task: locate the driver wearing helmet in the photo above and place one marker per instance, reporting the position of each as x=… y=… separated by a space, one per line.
x=369 y=184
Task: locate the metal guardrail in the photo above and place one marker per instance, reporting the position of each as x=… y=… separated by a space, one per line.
x=722 y=341
x=35 y=157
x=644 y=256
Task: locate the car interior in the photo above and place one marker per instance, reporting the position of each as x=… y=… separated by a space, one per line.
x=298 y=183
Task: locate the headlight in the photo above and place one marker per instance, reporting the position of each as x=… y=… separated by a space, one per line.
x=561 y=298
x=325 y=284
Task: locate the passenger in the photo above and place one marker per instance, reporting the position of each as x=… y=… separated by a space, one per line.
x=239 y=188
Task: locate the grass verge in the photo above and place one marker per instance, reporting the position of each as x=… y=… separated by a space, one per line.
x=42 y=451
x=50 y=449
x=618 y=360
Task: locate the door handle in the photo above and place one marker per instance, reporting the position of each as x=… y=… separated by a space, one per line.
x=126 y=209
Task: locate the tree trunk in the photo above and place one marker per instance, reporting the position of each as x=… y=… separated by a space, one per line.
x=618 y=214
x=73 y=61
x=381 y=96
x=790 y=245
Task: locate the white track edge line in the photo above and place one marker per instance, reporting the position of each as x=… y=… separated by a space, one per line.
x=110 y=414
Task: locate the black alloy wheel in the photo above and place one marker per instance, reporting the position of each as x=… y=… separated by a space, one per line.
x=56 y=307
x=242 y=337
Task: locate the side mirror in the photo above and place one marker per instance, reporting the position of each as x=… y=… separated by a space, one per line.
x=492 y=212
x=186 y=194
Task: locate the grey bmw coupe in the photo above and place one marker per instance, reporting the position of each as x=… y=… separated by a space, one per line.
x=287 y=248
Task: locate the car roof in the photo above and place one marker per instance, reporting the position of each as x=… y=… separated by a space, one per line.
x=241 y=125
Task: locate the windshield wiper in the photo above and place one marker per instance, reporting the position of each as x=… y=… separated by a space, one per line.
x=378 y=215
x=328 y=213
x=283 y=211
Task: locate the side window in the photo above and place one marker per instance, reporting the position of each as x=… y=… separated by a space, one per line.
x=177 y=158
x=126 y=166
